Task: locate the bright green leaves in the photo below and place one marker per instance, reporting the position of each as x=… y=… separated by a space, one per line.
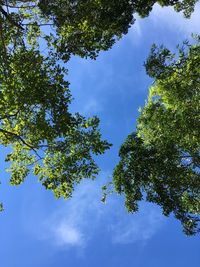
x=34 y=88
x=161 y=161
x=69 y=160
x=64 y=161
x=46 y=138
x=20 y=167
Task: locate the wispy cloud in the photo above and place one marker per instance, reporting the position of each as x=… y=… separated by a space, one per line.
x=164 y=19
x=139 y=227
x=81 y=219
x=169 y=19
x=74 y=223
x=135 y=32
x=91 y=107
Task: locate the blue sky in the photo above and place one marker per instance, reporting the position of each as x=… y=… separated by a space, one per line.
x=38 y=230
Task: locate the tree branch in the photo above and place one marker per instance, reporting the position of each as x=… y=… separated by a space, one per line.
x=18 y=7
x=5 y=68
x=9 y=116
x=8 y=17
x=39 y=25
x=20 y=139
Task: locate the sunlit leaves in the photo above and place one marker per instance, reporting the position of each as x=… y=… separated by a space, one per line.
x=46 y=138
x=161 y=161
x=35 y=121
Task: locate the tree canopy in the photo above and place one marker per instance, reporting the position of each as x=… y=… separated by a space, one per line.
x=36 y=37
x=35 y=121
x=82 y=27
x=161 y=160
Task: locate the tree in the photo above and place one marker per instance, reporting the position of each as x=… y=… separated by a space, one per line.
x=161 y=160
x=36 y=37
x=35 y=121
x=82 y=27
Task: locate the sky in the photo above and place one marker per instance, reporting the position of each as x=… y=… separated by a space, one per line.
x=38 y=230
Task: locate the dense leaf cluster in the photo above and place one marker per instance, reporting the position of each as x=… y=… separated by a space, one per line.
x=35 y=122
x=161 y=160
x=82 y=27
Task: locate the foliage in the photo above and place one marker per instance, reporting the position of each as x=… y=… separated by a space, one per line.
x=45 y=136
x=161 y=160
x=82 y=27
x=35 y=121
x=35 y=36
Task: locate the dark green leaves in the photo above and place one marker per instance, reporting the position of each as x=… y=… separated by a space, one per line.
x=144 y=7
x=83 y=27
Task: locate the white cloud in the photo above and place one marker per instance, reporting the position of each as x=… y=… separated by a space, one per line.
x=66 y=234
x=83 y=217
x=74 y=223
